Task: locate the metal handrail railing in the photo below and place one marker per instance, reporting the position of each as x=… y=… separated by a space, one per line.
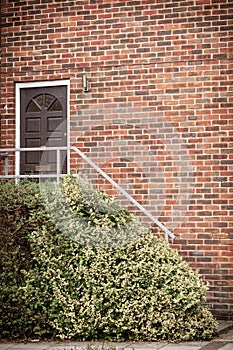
x=58 y=174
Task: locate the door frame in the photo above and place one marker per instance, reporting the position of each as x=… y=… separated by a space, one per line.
x=38 y=84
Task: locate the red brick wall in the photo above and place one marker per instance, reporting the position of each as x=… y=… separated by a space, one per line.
x=158 y=116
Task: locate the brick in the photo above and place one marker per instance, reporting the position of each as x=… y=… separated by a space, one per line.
x=163 y=77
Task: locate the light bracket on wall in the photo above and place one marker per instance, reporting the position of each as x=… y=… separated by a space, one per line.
x=85 y=84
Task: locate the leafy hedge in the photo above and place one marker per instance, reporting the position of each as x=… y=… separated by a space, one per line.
x=89 y=216
x=55 y=286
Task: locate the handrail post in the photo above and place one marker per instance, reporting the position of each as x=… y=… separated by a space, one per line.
x=17 y=165
x=58 y=164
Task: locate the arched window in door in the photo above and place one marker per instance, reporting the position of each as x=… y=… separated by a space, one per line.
x=46 y=101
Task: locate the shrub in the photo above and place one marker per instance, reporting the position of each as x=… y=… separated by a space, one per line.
x=89 y=216
x=54 y=286
x=143 y=291
x=17 y=204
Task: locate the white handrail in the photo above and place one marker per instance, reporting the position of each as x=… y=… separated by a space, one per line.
x=126 y=194
x=167 y=232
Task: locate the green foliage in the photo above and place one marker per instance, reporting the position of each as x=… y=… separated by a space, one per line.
x=95 y=207
x=54 y=286
x=89 y=216
x=17 y=204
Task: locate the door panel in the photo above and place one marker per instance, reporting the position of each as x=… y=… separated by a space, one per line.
x=32 y=125
x=43 y=122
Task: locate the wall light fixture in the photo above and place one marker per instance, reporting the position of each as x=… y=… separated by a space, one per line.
x=85 y=84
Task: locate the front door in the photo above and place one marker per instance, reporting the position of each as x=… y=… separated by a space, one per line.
x=43 y=123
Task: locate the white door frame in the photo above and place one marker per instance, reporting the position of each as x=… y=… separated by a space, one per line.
x=40 y=84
